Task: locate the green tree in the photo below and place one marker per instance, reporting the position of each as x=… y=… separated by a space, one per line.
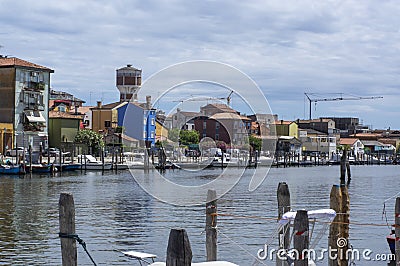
x=92 y=139
x=189 y=137
x=255 y=143
x=173 y=134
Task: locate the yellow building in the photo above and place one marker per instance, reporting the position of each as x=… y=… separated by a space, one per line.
x=6 y=137
x=161 y=132
x=105 y=117
x=286 y=128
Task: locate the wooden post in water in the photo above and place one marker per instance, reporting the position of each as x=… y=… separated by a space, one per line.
x=40 y=153
x=60 y=170
x=344 y=225
x=211 y=223
x=102 y=160
x=30 y=158
x=397 y=230
x=66 y=209
x=179 y=252
x=300 y=238
x=283 y=196
x=335 y=204
x=85 y=161
x=343 y=160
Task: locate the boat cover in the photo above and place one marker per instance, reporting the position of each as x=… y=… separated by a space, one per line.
x=326 y=214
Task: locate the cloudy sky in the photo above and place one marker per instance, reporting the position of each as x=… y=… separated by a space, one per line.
x=286 y=47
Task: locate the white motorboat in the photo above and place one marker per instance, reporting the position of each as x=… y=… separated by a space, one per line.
x=89 y=162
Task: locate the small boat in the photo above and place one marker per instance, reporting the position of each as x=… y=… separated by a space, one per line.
x=71 y=167
x=93 y=164
x=12 y=169
x=39 y=168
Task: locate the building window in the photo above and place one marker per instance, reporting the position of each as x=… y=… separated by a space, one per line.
x=204 y=125
x=107 y=123
x=152 y=134
x=144 y=134
x=144 y=121
x=204 y=135
x=216 y=125
x=152 y=121
x=216 y=136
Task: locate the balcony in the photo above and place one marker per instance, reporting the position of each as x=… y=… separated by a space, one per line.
x=36 y=86
x=35 y=127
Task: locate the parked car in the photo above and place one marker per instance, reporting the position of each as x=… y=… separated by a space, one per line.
x=13 y=152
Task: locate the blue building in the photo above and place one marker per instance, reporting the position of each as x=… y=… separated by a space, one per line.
x=139 y=120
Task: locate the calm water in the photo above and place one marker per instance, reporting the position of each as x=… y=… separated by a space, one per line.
x=114 y=214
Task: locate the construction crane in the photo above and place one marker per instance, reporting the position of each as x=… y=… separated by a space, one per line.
x=340 y=98
x=196 y=99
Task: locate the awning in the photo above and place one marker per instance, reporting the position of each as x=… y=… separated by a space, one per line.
x=34 y=117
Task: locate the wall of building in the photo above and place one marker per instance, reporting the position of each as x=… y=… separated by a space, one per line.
x=7 y=83
x=99 y=116
x=62 y=130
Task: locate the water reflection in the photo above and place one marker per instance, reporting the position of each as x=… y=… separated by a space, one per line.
x=114 y=214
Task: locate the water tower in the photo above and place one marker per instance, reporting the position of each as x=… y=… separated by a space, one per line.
x=129 y=80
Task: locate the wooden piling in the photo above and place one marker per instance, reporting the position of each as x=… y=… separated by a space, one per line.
x=211 y=223
x=344 y=225
x=40 y=153
x=334 y=230
x=179 y=252
x=283 y=196
x=102 y=160
x=300 y=238
x=67 y=226
x=397 y=230
x=343 y=160
x=60 y=165
x=30 y=158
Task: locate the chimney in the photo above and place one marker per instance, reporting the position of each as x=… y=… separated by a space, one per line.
x=129 y=65
x=148 y=102
x=98 y=104
x=281 y=122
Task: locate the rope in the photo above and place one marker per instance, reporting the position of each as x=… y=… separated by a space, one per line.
x=276 y=219
x=242 y=248
x=80 y=241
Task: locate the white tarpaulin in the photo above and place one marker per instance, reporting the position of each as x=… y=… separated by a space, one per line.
x=325 y=214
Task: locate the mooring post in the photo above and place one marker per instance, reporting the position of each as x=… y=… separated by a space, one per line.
x=30 y=157
x=335 y=204
x=102 y=161
x=60 y=164
x=211 y=223
x=283 y=196
x=40 y=153
x=343 y=160
x=344 y=225
x=66 y=209
x=348 y=170
x=397 y=230
x=179 y=252
x=300 y=238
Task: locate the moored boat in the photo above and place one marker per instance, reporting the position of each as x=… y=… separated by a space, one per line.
x=91 y=163
x=39 y=168
x=11 y=169
x=70 y=167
